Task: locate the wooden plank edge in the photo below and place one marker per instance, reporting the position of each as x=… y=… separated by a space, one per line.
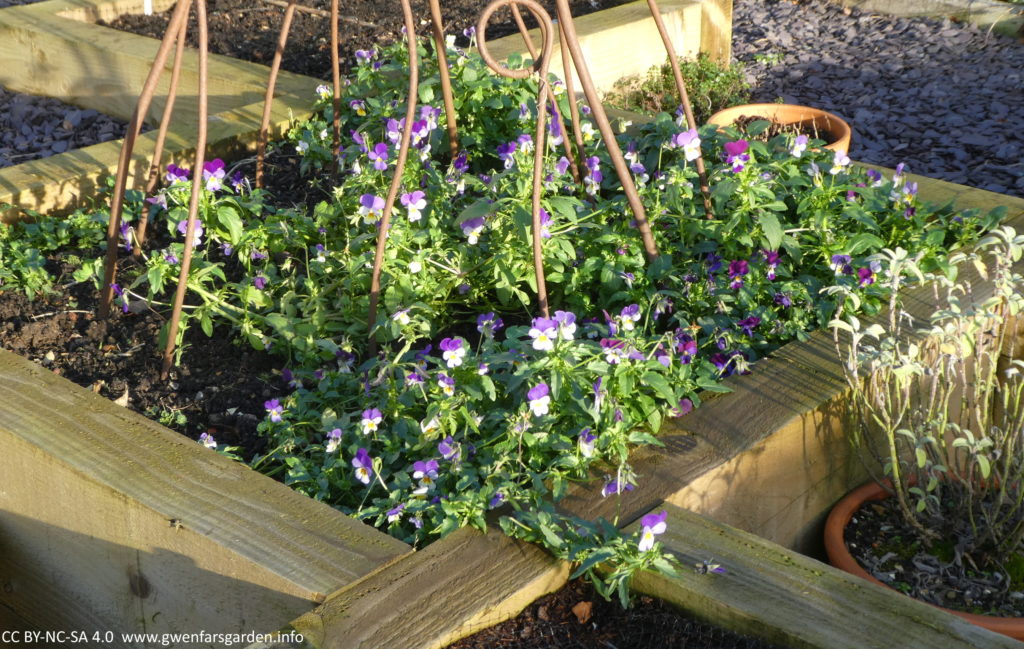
x=300 y=539
x=773 y=593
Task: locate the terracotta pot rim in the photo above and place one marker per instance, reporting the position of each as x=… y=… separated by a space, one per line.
x=840 y=557
x=838 y=125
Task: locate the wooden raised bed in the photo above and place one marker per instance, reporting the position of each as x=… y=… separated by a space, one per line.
x=109 y=521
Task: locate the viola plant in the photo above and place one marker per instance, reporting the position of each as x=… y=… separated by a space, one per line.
x=476 y=404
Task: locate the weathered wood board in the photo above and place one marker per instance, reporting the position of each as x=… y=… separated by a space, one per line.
x=131 y=527
x=773 y=593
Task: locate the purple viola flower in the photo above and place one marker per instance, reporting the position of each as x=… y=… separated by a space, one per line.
x=120 y=294
x=771 y=260
x=420 y=132
x=290 y=379
x=359 y=106
x=237 y=181
x=170 y=257
x=714 y=262
x=395 y=513
x=562 y=166
x=799 y=146
x=841 y=264
x=446 y=383
x=488 y=324
x=720 y=361
x=158 y=201
x=358 y=138
x=614 y=351
x=363 y=464
x=429 y=116
x=587 y=442
x=496 y=500
x=260 y=282
x=540 y=400
x=176 y=174
x=737 y=270
x=689 y=142
x=524 y=111
x=365 y=56
x=274 y=409
x=207 y=440
x=545 y=221
x=783 y=300
x=651 y=525
x=736 y=154
x=197 y=233
x=213 y=175
x=566 y=324
x=524 y=143
x=865 y=277
x=472 y=228
x=544 y=332
x=379 y=156
x=333 y=441
x=258 y=255
x=371 y=208
x=685 y=407
x=662 y=356
x=448 y=449
x=393 y=130
x=461 y=163
x=686 y=347
x=414 y=378
x=505 y=153
x=598 y=394
x=614 y=487
x=629 y=316
x=875 y=177
x=126 y=236
x=748 y=324
x=371 y=420
x=452 y=351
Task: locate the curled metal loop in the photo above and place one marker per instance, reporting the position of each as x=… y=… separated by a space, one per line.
x=543 y=92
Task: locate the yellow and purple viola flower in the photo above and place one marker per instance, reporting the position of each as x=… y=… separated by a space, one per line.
x=426 y=473
x=359 y=106
x=363 y=465
x=840 y=162
x=539 y=398
x=371 y=420
x=651 y=526
x=841 y=264
x=274 y=409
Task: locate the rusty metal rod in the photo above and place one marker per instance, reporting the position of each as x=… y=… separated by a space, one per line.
x=446 y=81
x=396 y=180
x=574 y=168
x=544 y=91
x=179 y=16
x=161 y=137
x=336 y=83
x=597 y=109
x=268 y=99
x=574 y=111
x=684 y=98
x=197 y=189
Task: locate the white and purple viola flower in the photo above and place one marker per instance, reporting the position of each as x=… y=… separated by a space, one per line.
x=842 y=264
x=371 y=420
x=544 y=332
x=274 y=409
x=689 y=142
x=651 y=526
x=333 y=441
x=175 y=175
x=207 y=440
x=566 y=324
x=472 y=228
x=426 y=473
x=629 y=316
x=415 y=202
x=506 y=152
x=197 y=232
x=371 y=208
x=401 y=317
x=614 y=486
x=587 y=441
x=771 y=260
x=363 y=465
x=213 y=175
x=453 y=352
x=840 y=162
x=379 y=156
x=488 y=324
x=449 y=450
x=592 y=181
x=395 y=513
x=799 y=146
x=685 y=407
x=446 y=383
x=540 y=399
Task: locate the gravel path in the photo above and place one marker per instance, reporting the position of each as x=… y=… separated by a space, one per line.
x=34 y=127
x=946 y=98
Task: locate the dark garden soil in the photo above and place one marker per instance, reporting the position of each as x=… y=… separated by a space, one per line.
x=887 y=548
x=219 y=385
x=33 y=127
x=365 y=24
x=578 y=618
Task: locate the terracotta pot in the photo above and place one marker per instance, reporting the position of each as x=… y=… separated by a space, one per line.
x=834 y=130
x=841 y=558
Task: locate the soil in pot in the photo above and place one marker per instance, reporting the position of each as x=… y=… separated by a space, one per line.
x=578 y=618
x=890 y=550
x=810 y=129
x=248 y=29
